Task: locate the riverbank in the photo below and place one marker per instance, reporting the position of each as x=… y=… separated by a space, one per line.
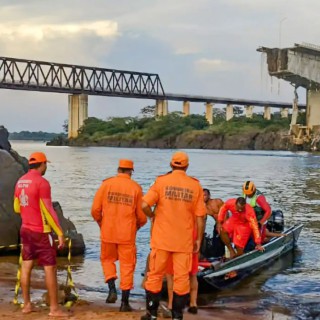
x=96 y=310
x=251 y=140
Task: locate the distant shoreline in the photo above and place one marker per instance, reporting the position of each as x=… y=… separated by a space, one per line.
x=252 y=140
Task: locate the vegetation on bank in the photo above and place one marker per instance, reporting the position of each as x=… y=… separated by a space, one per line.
x=149 y=128
x=38 y=136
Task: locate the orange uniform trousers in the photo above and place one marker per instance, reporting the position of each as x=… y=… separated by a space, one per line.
x=126 y=254
x=238 y=231
x=158 y=264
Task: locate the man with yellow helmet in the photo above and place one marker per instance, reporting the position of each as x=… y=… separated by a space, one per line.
x=256 y=199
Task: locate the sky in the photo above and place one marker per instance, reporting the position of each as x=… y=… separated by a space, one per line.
x=200 y=47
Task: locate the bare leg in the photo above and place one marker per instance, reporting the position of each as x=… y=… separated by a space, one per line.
x=52 y=286
x=226 y=240
x=193 y=290
x=240 y=251
x=170 y=289
x=26 y=269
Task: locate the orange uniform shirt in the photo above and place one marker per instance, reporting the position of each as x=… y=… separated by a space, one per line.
x=179 y=200
x=248 y=216
x=117 y=208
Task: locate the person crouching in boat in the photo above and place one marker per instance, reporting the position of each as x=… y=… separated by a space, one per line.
x=239 y=226
x=258 y=202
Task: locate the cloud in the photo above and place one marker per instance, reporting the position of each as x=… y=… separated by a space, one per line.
x=200 y=47
x=210 y=65
x=41 y=32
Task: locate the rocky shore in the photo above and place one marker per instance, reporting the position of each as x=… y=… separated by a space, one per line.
x=253 y=140
x=12 y=167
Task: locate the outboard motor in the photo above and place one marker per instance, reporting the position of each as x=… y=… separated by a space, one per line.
x=276 y=221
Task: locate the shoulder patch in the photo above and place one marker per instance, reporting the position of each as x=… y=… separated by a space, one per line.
x=162 y=175
x=107 y=179
x=194 y=178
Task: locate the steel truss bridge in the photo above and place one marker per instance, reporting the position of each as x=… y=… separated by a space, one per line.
x=21 y=74
x=31 y=75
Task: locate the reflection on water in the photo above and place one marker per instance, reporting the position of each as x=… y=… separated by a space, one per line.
x=289 y=180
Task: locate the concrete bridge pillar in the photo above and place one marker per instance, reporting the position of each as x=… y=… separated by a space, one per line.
x=209 y=114
x=295 y=113
x=267 y=113
x=78 y=112
x=186 y=108
x=161 y=108
x=249 y=111
x=229 y=112
x=313 y=108
x=284 y=113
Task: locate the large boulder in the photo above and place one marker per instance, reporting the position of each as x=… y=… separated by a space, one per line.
x=12 y=167
x=10 y=172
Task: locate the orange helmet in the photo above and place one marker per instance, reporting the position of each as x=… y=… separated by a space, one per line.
x=248 y=188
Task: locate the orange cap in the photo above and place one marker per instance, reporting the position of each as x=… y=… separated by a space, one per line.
x=180 y=159
x=37 y=157
x=126 y=164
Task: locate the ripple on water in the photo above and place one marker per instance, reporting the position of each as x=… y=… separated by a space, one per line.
x=289 y=180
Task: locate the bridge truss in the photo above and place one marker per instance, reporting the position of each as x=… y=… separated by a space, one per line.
x=21 y=74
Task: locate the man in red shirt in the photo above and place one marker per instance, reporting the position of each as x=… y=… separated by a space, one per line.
x=32 y=200
x=239 y=226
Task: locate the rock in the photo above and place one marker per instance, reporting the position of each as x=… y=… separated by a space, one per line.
x=12 y=167
x=10 y=172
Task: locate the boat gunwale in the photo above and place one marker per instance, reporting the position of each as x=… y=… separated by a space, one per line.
x=235 y=265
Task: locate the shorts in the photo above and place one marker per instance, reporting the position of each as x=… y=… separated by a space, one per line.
x=38 y=246
x=238 y=231
x=194 y=265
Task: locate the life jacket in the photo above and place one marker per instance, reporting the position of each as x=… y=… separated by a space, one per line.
x=253 y=203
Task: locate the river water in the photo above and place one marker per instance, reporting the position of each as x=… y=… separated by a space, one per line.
x=289 y=180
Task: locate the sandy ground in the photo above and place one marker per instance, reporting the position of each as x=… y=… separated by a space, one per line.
x=99 y=310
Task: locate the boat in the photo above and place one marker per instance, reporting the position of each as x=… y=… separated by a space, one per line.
x=216 y=274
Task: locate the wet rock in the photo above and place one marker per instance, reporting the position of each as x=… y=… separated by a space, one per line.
x=12 y=167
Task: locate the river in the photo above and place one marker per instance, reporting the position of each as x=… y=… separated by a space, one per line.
x=289 y=180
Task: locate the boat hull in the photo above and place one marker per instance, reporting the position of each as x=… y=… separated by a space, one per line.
x=228 y=274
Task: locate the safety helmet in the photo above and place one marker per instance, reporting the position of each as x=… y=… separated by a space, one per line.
x=248 y=188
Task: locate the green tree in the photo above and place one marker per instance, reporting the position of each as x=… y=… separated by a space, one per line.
x=148 y=111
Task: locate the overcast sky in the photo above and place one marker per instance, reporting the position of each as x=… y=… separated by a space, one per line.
x=201 y=47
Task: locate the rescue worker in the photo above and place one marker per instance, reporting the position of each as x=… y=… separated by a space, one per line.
x=258 y=202
x=239 y=226
x=213 y=206
x=179 y=201
x=117 y=210
x=193 y=307
x=32 y=200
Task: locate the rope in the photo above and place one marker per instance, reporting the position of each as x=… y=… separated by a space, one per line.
x=17 y=287
x=69 y=281
x=10 y=246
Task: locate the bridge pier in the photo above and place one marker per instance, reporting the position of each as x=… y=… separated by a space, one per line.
x=249 y=112
x=284 y=113
x=78 y=112
x=295 y=113
x=186 y=108
x=313 y=108
x=229 y=112
x=267 y=113
x=209 y=114
x=161 y=108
